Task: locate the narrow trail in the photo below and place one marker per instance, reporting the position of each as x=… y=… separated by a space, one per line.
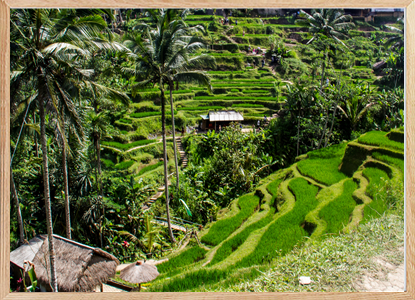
x=388 y=278
x=160 y=190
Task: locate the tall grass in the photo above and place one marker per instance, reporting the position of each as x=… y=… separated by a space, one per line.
x=390 y=160
x=322 y=170
x=337 y=213
x=247 y=105
x=221 y=97
x=201 y=108
x=379 y=138
x=232 y=244
x=377 y=207
x=282 y=235
x=223 y=228
x=124 y=165
x=149 y=168
x=127 y=146
x=190 y=256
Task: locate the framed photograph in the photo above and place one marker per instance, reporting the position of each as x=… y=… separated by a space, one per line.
x=207 y=150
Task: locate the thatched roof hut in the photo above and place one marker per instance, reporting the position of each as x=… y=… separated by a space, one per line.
x=79 y=268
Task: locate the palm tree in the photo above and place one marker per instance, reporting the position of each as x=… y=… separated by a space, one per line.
x=326 y=24
x=162 y=54
x=52 y=43
x=357 y=103
x=396 y=42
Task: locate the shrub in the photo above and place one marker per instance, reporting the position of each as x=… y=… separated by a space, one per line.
x=337 y=213
x=221 y=229
x=378 y=138
x=108 y=163
x=282 y=235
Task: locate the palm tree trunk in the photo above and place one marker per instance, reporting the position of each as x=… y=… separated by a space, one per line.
x=66 y=187
x=174 y=134
x=54 y=282
x=166 y=185
x=35 y=137
x=298 y=135
x=18 y=210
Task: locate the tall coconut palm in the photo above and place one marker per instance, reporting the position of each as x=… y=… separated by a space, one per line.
x=51 y=43
x=326 y=24
x=162 y=54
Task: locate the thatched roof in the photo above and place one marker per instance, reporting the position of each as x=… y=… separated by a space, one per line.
x=79 y=268
x=139 y=272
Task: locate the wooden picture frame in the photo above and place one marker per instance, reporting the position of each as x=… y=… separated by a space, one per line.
x=6 y=5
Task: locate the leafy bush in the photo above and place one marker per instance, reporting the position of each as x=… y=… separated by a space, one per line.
x=282 y=235
x=185 y=258
x=221 y=229
x=337 y=213
x=378 y=138
x=149 y=168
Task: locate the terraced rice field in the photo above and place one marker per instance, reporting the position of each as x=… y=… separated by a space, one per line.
x=298 y=205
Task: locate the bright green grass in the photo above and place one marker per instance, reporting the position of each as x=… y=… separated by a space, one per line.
x=337 y=213
x=145 y=114
x=124 y=165
x=328 y=152
x=322 y=170
x=220 y=97
x=127 y=121
x=378 y=138
x=285 y=232
x=256 y=91
x=127 y=146
x=247 y=105
x=107 y=162
x=250 y=85
x=390 y=160
x=377 y=207
x=221 y=229
x=190 y=256
x=201 y=108
x=149 y=168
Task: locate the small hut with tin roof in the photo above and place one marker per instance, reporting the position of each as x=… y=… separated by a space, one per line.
x=79 y=268
x=221 y=118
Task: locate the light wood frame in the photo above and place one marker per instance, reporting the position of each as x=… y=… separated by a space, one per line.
x=6 y=5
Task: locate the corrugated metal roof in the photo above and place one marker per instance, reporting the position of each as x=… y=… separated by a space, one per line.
x=205 y=117
x=225 y=115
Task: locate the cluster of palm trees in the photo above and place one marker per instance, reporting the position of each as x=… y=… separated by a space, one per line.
x=50 y=51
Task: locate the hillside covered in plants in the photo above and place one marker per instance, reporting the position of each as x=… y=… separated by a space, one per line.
x=109 y=148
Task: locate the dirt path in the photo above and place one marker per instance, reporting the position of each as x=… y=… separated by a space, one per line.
x=388 y=278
